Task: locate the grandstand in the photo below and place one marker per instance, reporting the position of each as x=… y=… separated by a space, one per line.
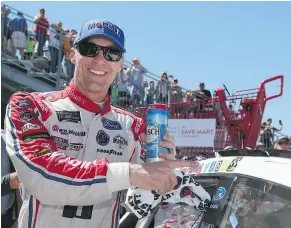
x=237 y=116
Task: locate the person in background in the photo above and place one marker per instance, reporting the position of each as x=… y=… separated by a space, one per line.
x=176 y=91
x=176 y=97
x=41 y=30
x=66 y=47
x=4 y=29
x=46 y=54
x=136 y=77
x=150 y=93
x=18 y=28
x=162 y=88
x=283 y=143
x=267 y=133
x=68 y=66
x=188 y=99
x=203 y=92
x=121 y=87
x=201 y=96
x=9 y=184
x=54 y=45
x=144 y=87
x=29 y=48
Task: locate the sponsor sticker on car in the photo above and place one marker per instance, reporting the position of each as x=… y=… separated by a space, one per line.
x=219 y=194
x=225 y=165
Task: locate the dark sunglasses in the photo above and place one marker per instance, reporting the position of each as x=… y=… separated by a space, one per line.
x=92 y=50
x=284 y=143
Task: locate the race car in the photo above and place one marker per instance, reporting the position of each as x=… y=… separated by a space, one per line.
x=251 y=190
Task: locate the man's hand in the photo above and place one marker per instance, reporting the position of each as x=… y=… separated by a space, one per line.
x=157 y=176
x=168 y=142
x=14 y=181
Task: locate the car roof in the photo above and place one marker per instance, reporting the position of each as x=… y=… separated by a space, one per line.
x=274 y=169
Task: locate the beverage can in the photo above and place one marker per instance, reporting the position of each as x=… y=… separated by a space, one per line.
x=156 y=129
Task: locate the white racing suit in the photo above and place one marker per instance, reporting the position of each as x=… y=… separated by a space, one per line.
x=71 y=157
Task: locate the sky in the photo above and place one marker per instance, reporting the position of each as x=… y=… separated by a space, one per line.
x=238 y=44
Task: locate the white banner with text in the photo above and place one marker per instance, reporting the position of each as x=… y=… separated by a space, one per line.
x=193 y=132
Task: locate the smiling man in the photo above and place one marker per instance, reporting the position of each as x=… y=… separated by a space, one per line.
x=73 y=151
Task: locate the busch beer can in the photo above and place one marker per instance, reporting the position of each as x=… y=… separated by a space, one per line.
x=156 y=129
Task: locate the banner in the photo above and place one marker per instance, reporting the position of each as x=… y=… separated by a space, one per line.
x=193 y=132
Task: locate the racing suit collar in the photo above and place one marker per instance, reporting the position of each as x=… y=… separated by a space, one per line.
x=84 y=102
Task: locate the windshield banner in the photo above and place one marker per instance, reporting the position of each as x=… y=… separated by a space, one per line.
x=193 y=132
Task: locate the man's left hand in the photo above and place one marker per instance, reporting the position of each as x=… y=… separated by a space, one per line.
x=168 y=142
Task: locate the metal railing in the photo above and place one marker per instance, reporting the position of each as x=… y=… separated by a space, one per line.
x=34 y=45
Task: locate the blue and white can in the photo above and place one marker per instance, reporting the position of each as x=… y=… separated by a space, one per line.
x=156 y=129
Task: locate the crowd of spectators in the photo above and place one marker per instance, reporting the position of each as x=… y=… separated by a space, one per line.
x=132 y=88
x=271 y=137
x=42 y=45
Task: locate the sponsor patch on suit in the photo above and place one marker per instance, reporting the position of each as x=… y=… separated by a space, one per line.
x=69 y=116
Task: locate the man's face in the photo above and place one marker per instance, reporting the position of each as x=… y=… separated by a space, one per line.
x=60 y=24
x=42 y=12
x=96 y=74
x=135 y=62
x=202 y=86
x=283 y=144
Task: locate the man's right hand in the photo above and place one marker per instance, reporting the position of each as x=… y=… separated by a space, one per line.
x=157 y=176
x=14 y=181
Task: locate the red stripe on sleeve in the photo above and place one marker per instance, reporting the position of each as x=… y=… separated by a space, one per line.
x=42 y=151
